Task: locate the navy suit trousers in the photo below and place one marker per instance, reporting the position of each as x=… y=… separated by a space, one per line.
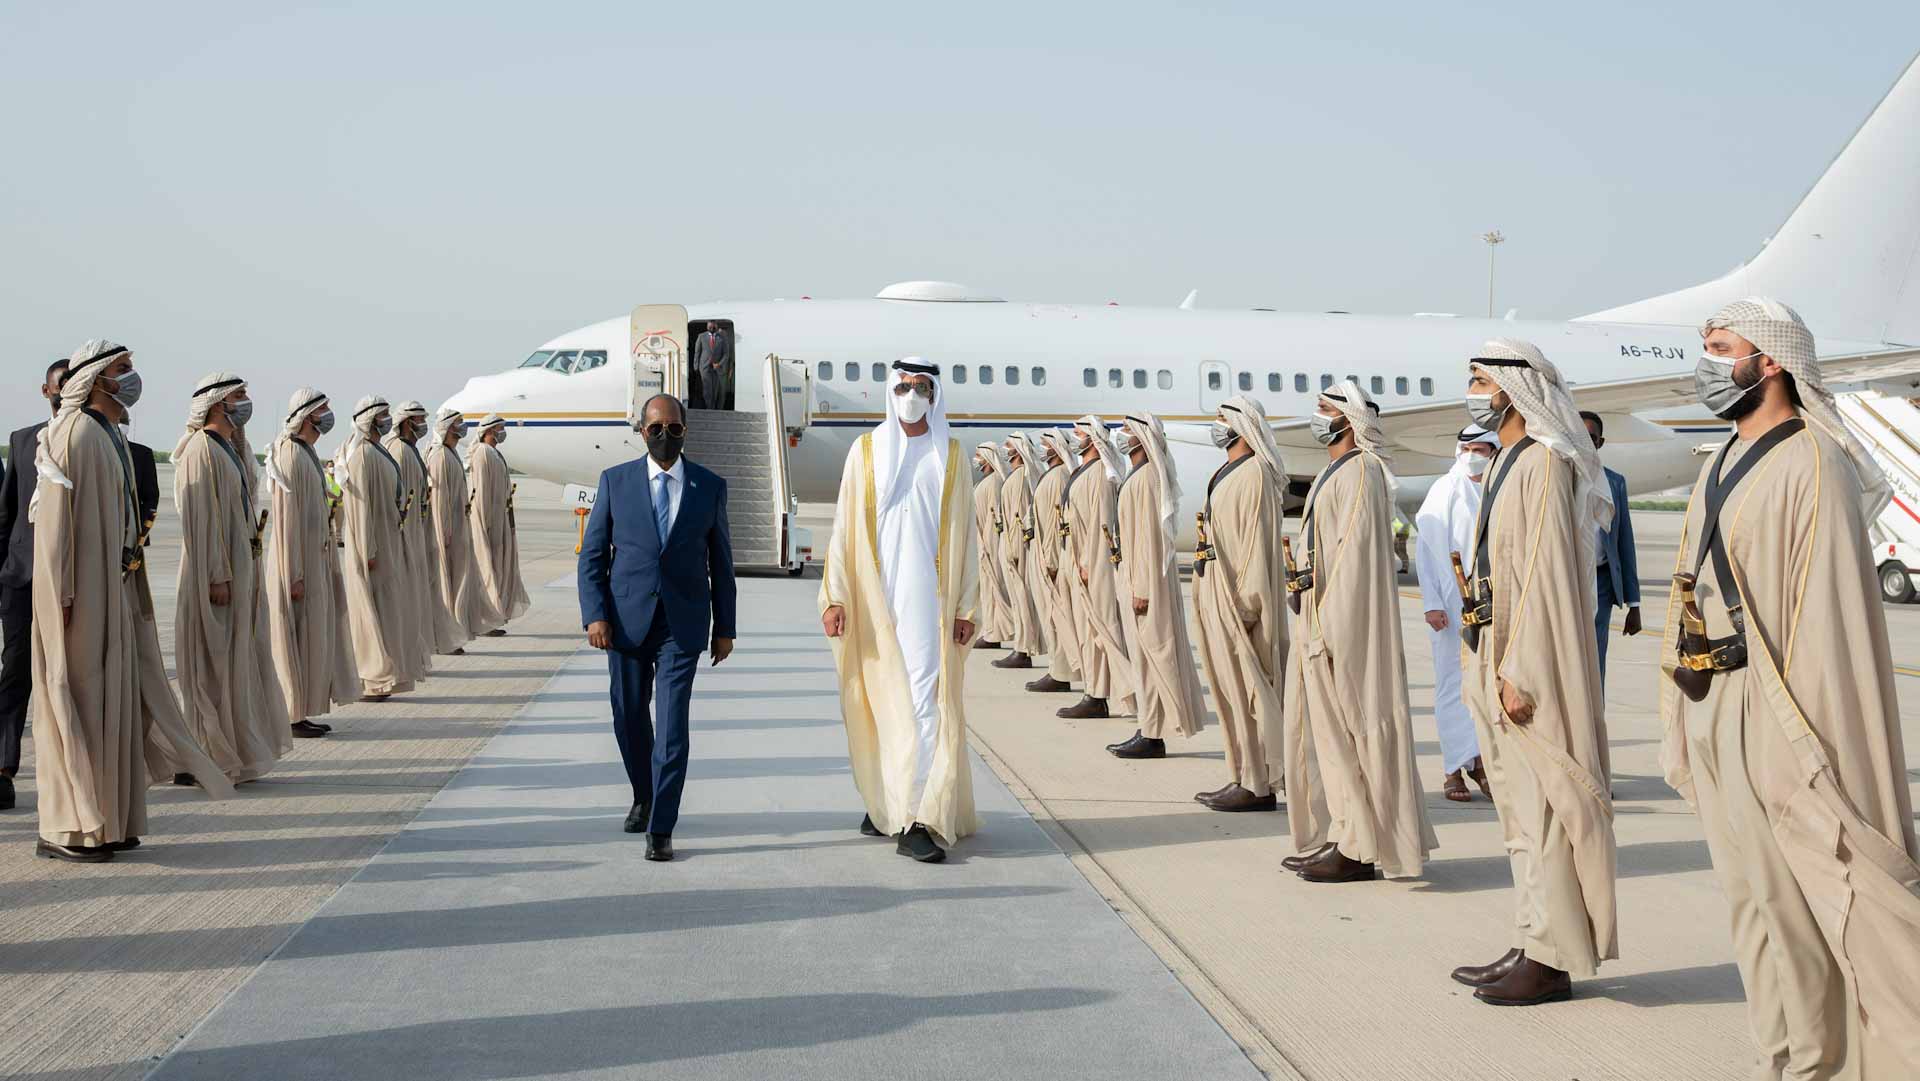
x=652 y=690
x=1603 y=620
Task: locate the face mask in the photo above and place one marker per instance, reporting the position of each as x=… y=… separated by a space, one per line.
x=1323 y=428
x=1128 y=444
x=1715 y=380
x=239 y=413
x=500 y=437
x=1082 y=442
x=130 y=386
x=664 y=446
x=910 y=408
x=1474 y=464
x=1480 y=408
x=383 y=425
x=324 y=422
x=1223 y=436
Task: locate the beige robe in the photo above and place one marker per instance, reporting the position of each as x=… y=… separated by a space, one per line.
x=460 y=593
x=311 y=652
x=1346 y=701
x=1548 y=775
x=1240 y=615
x=376 y=596
x=875 y=699
x=105 y=722
x=1796 y=766
x=496 y=540
x=444 y=633
x=1063 y=652
x=1016 y=515
x=223 y=654
x=1157 y=643
x=996 y=614
x=1096 y=605
x=414 y=546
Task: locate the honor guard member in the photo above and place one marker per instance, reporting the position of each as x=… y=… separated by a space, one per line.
x=222 y=640
x=1237 y=605
x=1050 y=542
x=371 y=498
x=306 y=595
x=461 y=593
x=105 y=722
x=1016 y=524
x=1783 y=729
x=1532 y=677
x=409 y=424
x=996 y=614
x=1349 y=732
x=1151 y=605
x=897 y=605
x=496 y=535
x=1092 y=565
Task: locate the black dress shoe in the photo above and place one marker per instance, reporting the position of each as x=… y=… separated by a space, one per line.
x=1088 y=706
x=636 y=819
x=1482 y=975
x=982 y=643
x=1294 y=863
x=1334 y=866
x=501 y=632
x=868 y=828
x=1048 y=685
x=919 y=844
x=1529 y=984
x=7 y=797
x=659 y=847
x=375 y=697
x=1236 y=798
x=460 y=651
x=184 y=780
x=1015 y=660
x=127 y=845
x=307 y=730
x=72 y=853
x=1140 y=746
x=322 y=727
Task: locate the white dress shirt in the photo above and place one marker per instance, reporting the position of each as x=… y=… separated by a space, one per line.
x=676 y=485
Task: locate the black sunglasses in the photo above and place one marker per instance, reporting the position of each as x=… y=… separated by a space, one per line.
x=674 y=430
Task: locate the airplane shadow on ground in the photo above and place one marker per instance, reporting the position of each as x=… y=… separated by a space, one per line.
x=610 y=1038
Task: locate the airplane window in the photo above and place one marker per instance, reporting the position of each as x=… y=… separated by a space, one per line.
x=959 y=373
x=1326 y=381
x=1165 y=380
x=1246 y=380
x=1013 y=376
x=1379 y=385
x=826 y=371
x=986 y=375
x=537 y=360
x=1400 y=386
x=1116 y=378
x=1213 y=380
x=590 y=359
x=1039 y=377
x=1300 y=382
x=879 y=372
x=1273 y=381
x=562 y=361
x=853 y=371
x=1092 y=377
x=1426 y=387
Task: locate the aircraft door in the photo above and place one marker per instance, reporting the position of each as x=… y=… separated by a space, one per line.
x=657 y=352
x=796 y=395
x=1216 y=385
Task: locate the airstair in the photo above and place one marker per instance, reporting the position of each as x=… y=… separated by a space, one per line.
x=1889 y=427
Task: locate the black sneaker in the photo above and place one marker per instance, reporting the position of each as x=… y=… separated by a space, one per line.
x=919 y=844
x=868 y=828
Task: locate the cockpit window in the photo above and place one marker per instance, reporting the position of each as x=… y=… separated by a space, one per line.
x=589 y=360
x=562 y=361
x=538 y=360
x=567 y=361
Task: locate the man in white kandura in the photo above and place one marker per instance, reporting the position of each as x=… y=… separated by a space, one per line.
x=897 y=603
x=1444 y=526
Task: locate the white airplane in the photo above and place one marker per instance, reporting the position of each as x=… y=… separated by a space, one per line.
x=1848 y=258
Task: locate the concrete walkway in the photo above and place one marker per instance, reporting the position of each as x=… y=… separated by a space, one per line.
x=512 y=930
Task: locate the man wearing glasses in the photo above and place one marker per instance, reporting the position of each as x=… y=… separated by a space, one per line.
x=656 y=589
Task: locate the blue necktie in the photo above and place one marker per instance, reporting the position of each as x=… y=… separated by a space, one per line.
x=660 y=506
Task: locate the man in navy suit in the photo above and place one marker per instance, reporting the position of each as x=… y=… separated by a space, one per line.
x=16 y=584
x=1619 y=570
x=656 y=588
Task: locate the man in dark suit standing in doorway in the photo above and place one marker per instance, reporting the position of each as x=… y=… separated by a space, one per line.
x=16 y=584
x=656 y=589
x=713 y=362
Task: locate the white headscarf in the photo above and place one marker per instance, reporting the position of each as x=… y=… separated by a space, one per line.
x=1248 y=419
x=361 y=431
x=1470 y=435
x=1030 y=464
x=212 y=389
x=1355 y=404
x=83 y=368
x=995 y=464
x=1095 y=429
x=890 y=443
x=1779 y=332
x=446 y=418
x=305 y=403
x=1534 y=386
x=1151 y=434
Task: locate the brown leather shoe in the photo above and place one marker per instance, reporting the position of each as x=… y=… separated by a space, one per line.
x=1334 y=866
x=984 y=643
x=1478 y=771
x=1048 y=685
x=1236 y=798
x=1014 y=660
x=1139 y=746
x=1482 y=975
x=1202 y=797
x=1088 y=706
x=72 y=853
x=1529 y=984
x=1294 y=863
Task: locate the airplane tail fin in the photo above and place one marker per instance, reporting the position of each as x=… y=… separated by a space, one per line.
x=1848 y=257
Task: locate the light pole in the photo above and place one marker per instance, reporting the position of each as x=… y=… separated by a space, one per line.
x=1493 y=240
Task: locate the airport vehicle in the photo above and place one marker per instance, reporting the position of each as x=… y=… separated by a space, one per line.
x=812 y=373
x=1890 y=428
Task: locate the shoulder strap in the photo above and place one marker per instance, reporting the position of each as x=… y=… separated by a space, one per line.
x=1313 y=500
x=1482 y=561
x=1719 y=488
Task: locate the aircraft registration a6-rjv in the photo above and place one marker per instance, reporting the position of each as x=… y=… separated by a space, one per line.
x=811 y=374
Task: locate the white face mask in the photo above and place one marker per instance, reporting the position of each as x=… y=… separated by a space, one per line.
x=910 y=408
x=1475 y=464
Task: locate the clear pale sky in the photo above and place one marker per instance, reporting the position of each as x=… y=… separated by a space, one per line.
x=392 y=196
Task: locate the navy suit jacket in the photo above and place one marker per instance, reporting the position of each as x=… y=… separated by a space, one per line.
x=1616 y=546
x=626 y=574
